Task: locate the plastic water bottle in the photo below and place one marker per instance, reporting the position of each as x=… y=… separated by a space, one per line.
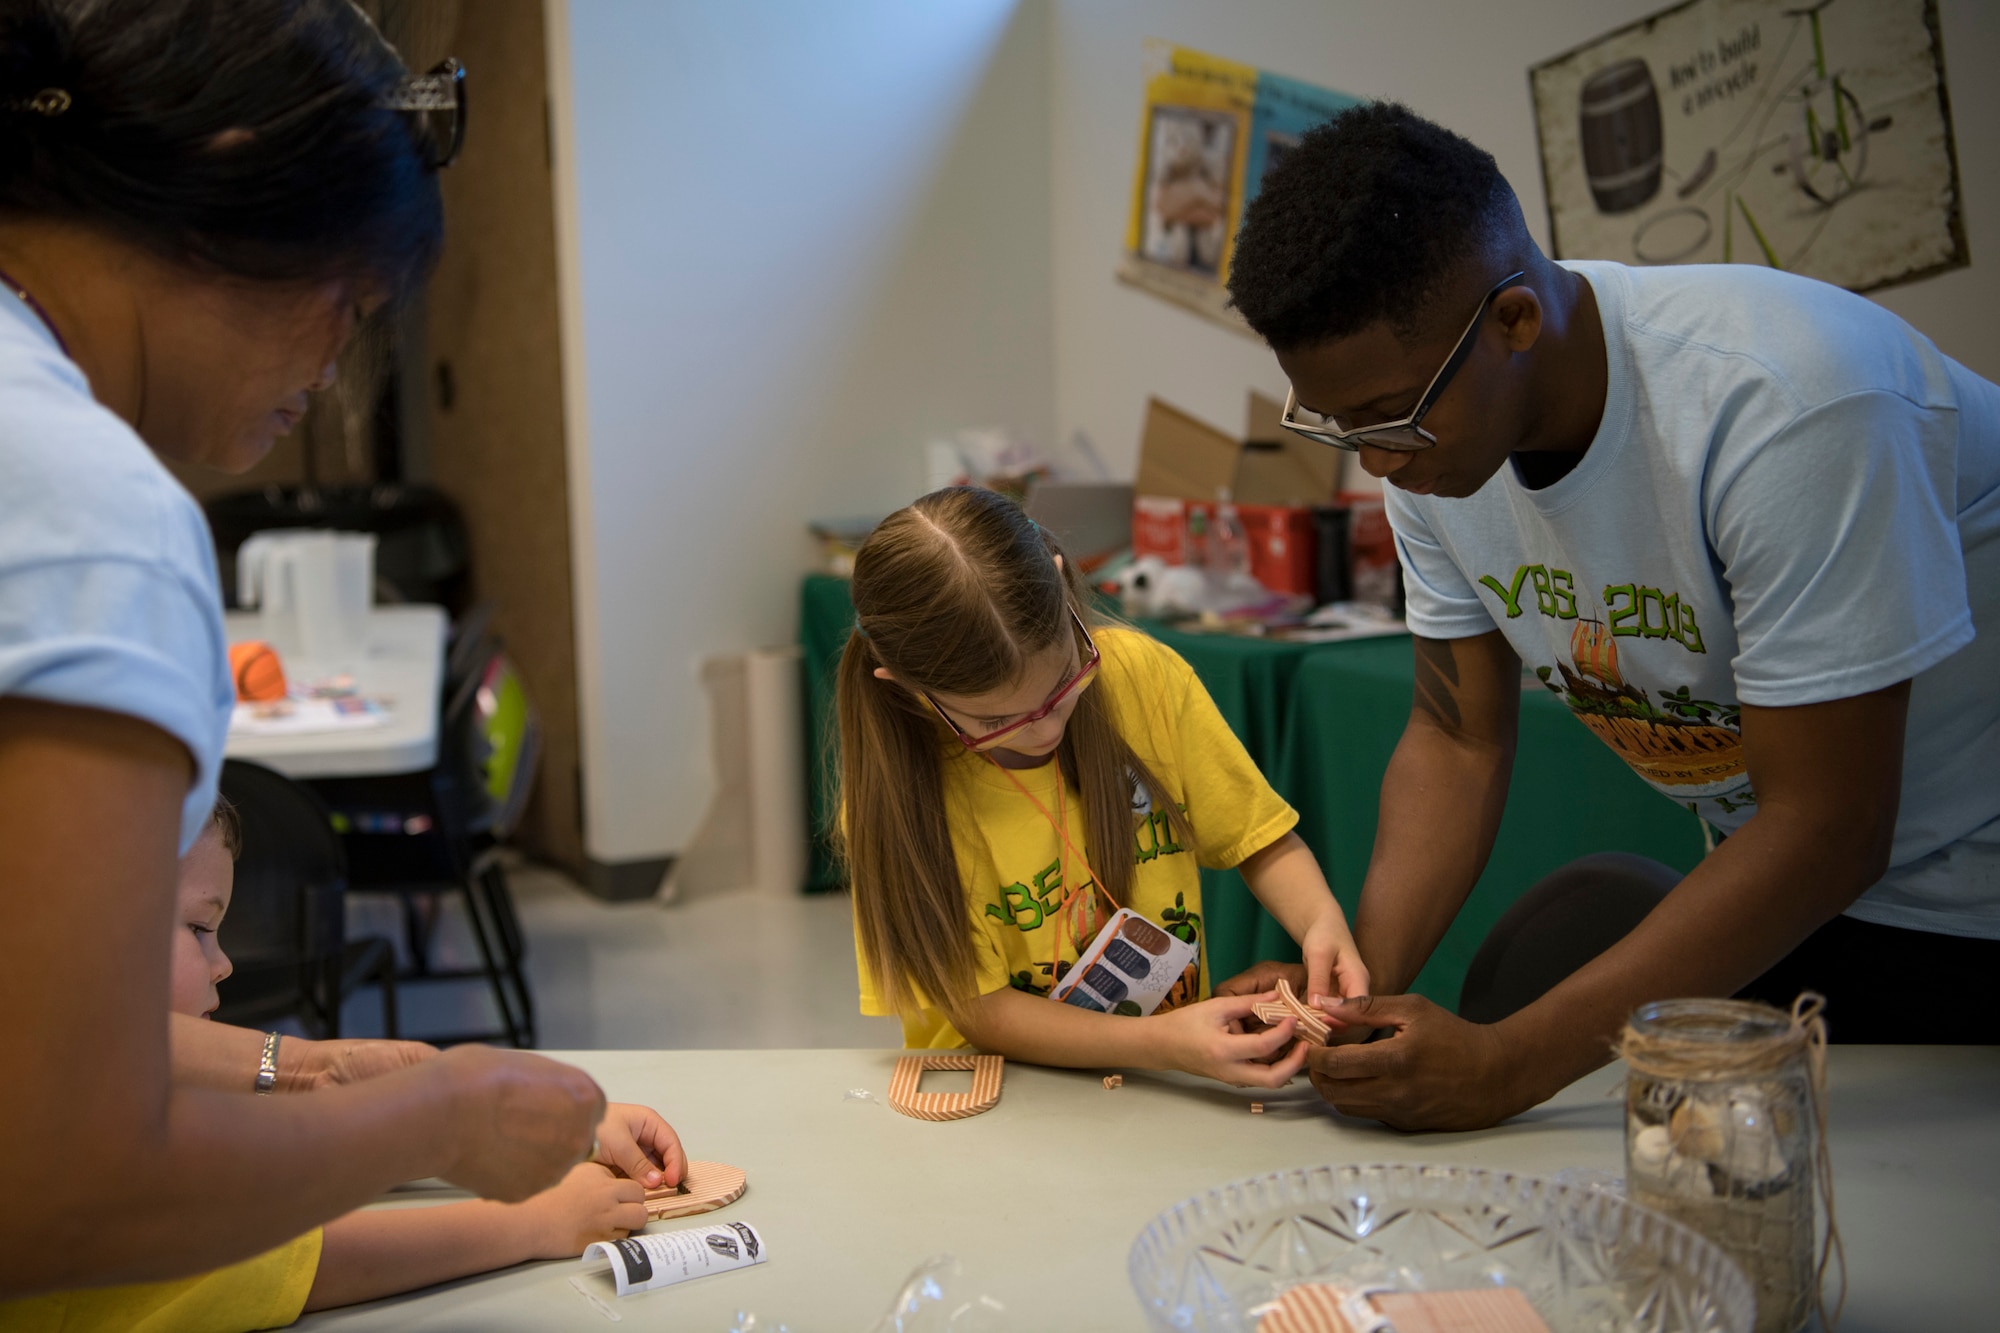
x=1228 y=545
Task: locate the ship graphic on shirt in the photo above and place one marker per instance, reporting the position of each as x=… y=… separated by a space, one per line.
x=1678 y=744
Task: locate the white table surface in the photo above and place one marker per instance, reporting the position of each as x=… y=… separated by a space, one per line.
x=403 y=666
x=1042 y=1196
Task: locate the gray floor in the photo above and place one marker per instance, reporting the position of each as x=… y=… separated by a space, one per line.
x=741 y=970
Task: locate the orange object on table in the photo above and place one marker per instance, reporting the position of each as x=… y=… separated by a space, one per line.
x=259 y=675
x=1318 y=1307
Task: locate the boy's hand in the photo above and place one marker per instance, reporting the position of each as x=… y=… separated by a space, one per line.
x=591 y=1204
x=1208 y=1039
x=635 y=1140
x=519 y=1121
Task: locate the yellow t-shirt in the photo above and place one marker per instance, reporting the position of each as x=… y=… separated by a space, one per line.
x=265 y=1292
x=1007 y=851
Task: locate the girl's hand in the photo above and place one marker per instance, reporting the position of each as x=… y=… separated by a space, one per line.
x=590 y=1205
x=635 y=1140
x=1334 y=969
x=1208 y=1039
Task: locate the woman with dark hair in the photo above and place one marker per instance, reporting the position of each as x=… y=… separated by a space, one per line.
x=198 y=201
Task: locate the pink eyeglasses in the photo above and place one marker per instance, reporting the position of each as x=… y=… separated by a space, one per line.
x=1084 y=673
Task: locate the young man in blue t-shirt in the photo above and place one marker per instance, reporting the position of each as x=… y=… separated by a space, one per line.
x=1745 y=525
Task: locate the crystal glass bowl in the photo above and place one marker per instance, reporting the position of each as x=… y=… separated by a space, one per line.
x=1586 y=1259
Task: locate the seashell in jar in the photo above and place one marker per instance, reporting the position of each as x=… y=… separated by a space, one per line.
x=1650 y=1149
x=1689 y=1177
x=1756 y=1152
x=1700 y=1128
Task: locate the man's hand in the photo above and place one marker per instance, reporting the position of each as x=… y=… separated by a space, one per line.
x=520 y=1121
x=1436 y=1072
x=635 y=1140
x=329 y=1064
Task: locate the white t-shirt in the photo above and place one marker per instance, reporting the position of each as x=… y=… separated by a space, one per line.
x=108 y=590
x=1793 y=497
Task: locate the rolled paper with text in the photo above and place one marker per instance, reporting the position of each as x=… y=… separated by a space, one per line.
x=643 y=1263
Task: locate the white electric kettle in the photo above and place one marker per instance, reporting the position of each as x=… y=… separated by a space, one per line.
x=312 y=590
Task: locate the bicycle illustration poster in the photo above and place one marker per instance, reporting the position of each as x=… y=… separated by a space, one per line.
x=1809 y=135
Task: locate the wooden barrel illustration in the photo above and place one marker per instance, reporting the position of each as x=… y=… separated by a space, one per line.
x=1621 y=136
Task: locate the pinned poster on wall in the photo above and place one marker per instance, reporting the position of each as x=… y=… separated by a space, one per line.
x=1210 y=130
x=1809 y=136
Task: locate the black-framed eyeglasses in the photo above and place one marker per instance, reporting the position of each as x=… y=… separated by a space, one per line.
x=1406 y=434
x=1086 y=669
x=436 y=101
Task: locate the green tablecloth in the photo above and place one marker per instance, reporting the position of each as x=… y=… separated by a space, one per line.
x=1321 y=721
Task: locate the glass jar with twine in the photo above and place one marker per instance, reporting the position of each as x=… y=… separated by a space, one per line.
x=1725 y=1132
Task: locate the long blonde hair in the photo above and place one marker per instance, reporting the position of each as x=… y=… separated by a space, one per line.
x=954 y=595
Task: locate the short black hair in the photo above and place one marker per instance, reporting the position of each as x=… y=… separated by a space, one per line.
x=1361 y=223
x=244 y=137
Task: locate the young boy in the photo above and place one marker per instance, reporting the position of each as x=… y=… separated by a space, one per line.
x=362 y=1256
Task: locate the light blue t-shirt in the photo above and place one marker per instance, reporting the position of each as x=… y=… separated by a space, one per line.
x=108 y=590
x=1793 y=497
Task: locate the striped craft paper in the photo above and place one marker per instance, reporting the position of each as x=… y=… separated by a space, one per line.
x=706 y=1187
x=903 y=1094
x=1321 y=1307
x=1312 y=1026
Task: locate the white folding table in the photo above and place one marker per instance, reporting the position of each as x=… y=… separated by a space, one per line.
x=402 y=666
x=1042 y=1196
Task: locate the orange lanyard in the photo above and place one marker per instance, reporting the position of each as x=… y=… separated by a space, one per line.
x=1070 y=887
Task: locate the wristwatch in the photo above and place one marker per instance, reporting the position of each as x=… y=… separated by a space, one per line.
x=267 y=1067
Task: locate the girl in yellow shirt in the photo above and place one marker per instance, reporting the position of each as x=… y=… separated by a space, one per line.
x=1012 y=774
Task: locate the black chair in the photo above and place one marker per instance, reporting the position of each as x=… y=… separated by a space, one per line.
x=286 y=931
x=426 y=836
x=1568 y=918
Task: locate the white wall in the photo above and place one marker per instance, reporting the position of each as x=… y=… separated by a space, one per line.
x=1463 y=63
x=799 y=238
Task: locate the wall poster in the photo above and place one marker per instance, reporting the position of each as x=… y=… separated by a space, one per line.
x=1809 y=135
x=1210 y=130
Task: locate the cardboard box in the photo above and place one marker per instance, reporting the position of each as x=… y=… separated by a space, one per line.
x=1274 y=478
x=1185 y=458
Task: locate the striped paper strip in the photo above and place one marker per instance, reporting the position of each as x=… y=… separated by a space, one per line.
x=903 y=1094
x=1312 y=1026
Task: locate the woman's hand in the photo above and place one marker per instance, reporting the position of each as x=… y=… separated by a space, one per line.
x=635 y=1140
x=331 y=1064
x=591 y=1204
x=1208 y=1039
x=519 y=1121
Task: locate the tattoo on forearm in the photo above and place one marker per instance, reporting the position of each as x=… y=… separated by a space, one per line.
x=1437 y=681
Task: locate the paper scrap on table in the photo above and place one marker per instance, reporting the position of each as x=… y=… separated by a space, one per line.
x=643 y=1263
x=302 y=717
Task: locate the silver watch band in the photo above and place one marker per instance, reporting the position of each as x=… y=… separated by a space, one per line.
x=267 y=1067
